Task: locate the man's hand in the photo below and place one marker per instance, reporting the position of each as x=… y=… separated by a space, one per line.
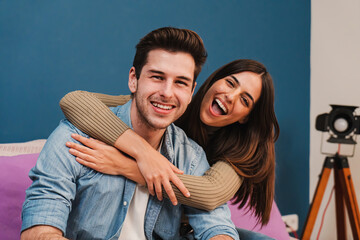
x=42 y=232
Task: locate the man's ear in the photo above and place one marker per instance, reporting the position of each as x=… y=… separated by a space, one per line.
x=132 y=80
x=192 y=91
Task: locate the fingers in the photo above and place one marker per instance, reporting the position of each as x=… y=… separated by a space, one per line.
x=79 y=147
x=86 y=141
x=84 y=159
x=175 y=169
x=158 y=190
x=81 y=155
x=86 y=163
x=150 y=186
x=170 y=192
x=180 y=185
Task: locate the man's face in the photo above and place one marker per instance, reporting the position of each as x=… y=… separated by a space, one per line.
x=164 y=88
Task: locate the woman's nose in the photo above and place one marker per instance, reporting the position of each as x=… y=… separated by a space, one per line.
x=230 y=96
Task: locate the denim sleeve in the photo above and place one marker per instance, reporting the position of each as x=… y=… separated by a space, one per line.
x=49 y=198
x=209 y=224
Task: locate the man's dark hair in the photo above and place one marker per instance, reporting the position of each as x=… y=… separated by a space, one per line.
x=173 y=40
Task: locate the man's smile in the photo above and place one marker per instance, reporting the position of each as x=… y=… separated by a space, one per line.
x=162 y=106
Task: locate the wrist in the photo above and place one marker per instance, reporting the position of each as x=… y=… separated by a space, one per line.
x=132 y=172
x=132 y=144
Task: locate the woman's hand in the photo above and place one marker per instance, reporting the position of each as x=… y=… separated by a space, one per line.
x=158 y=172
x=104 y=158
x=156 y=169
x=151 y=169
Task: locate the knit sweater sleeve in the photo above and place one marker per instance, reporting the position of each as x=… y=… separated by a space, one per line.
x=217 y=186
x=89 y=112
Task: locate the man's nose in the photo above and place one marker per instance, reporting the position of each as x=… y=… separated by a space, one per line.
x=167 y=89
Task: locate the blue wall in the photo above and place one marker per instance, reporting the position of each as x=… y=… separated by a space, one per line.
x=48 y=48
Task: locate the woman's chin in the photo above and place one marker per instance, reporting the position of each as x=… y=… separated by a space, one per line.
x=210 y=122
x=210 y=119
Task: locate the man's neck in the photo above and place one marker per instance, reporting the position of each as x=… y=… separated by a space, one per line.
x=151 y=135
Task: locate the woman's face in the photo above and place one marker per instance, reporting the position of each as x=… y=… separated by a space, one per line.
x=230 y=99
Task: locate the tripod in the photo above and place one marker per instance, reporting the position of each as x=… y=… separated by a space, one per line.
x=344 y=191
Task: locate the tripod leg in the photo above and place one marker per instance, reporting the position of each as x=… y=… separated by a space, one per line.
x=340 y=210
x=350 y=197
x=316 y=202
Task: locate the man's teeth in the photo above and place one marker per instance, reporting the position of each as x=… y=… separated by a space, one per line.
x=221 y=105
x=162 y=106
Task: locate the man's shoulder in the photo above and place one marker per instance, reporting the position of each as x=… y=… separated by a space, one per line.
x=66 y=127
x=186 y=153
x=123 y=112
x=117 y=110
x=180 y=138
x=62 y=133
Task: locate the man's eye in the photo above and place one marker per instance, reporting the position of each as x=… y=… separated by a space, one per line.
x=182 y=83
x=157 y=77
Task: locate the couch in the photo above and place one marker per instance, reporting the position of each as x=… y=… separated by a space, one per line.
x=16 y=161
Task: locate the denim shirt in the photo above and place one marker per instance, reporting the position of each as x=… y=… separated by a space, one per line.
x=86 y=204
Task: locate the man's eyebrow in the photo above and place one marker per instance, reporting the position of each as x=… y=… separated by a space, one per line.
x=162 y=73
x=247 y=94
x=157 y=72
x=185 y=78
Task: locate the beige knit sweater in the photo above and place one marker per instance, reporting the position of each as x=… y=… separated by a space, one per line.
x=90 y=113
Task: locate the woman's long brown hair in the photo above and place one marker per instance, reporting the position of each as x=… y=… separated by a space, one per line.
x=248 y=147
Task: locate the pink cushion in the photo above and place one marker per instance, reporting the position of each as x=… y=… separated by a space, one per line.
x=275 y=228
x=14 y=180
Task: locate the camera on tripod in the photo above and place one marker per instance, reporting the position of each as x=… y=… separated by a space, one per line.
x=341 y=123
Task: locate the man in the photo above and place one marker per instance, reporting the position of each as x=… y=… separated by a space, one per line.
x=69 y=199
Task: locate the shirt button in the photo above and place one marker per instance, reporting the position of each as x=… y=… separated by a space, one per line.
x=125 y=203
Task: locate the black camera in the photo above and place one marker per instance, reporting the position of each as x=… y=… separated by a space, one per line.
x=341 y=123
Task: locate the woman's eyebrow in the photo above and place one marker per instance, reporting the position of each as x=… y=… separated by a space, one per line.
x=247 y=94
x=235 y=79
x=251 y=98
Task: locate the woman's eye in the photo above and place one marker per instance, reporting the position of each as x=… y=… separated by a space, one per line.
x=230 y=82
x=245 y=101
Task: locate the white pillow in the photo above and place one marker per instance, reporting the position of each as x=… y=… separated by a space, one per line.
x=13 y=149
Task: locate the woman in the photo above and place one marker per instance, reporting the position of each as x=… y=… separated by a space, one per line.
x=231 y=116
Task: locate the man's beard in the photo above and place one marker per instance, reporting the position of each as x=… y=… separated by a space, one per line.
x=142 y=113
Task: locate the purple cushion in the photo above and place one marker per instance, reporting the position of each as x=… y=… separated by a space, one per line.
x=275 y=228
x=14 y=180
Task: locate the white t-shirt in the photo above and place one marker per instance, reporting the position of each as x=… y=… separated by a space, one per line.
x=133 y=226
